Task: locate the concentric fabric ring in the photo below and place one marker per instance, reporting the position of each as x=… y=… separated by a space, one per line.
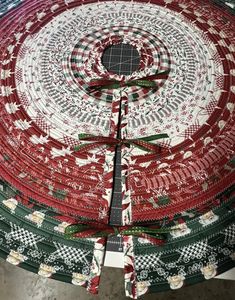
x=50 y=51
x=8 y=5
x=199 y=249
x=33 y=238
x=90 y=49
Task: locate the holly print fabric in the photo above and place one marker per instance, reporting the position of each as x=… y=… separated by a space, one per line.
x=51 y=51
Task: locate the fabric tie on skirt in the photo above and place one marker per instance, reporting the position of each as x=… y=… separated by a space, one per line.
x=155 y=234
x=144 y=82
x=142 y=143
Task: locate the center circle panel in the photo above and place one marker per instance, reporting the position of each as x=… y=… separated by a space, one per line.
x=121 y=59
x=56 y=94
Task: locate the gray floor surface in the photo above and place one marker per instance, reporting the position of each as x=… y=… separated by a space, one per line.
x=18 y=284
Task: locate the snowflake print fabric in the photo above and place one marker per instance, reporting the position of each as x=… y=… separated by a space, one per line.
x=79 y=141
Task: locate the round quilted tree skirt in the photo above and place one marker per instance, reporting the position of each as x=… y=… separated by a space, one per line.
x=118 y=113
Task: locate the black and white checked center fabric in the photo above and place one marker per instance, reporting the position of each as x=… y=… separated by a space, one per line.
x=144 y=262
x=25 y=237
x=196 y=250
x=121 y=59
x=230 y=235
x=70 y=254
x=116 y=209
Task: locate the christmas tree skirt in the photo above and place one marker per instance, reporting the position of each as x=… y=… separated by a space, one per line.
x=118 y=117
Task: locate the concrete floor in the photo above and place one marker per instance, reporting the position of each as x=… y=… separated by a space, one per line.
x=18 y=284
